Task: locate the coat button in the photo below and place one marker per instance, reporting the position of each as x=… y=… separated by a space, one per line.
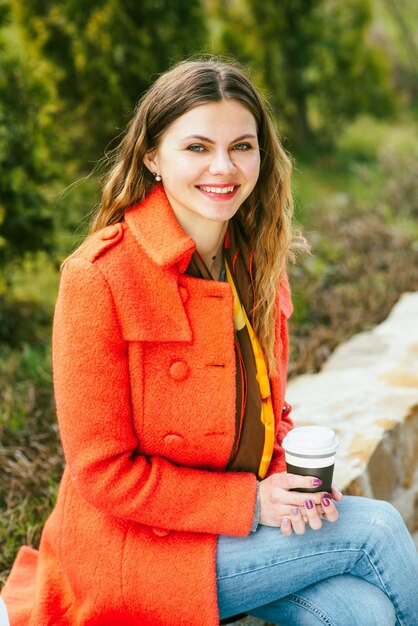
x=184 y=294
x=173 y=439
x=110 y=232
x=160 y=532
x=179 y=370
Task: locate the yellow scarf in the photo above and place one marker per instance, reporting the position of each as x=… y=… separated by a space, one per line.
x=267 y=413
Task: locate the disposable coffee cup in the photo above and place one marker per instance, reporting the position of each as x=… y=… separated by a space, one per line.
x=310 y=451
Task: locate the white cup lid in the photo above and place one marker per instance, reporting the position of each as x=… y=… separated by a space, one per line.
x=310 y=439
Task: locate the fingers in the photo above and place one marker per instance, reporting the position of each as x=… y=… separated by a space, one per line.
x=297 y=521
x=336 y=494
x=277 y=503
x=293 y=523
x=319 y=508
x=282 y=493
x=286 y=527
x=294 y=498
x=330 y=511
x=284 y=480
x=312 y=514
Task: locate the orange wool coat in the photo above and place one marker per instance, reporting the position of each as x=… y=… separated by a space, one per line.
x=144 y=374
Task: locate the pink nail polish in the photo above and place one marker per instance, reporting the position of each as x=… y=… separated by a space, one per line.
x=326 y=501
x=317 y=482
x=309 y=504
x=294 y=510
x=285 y=522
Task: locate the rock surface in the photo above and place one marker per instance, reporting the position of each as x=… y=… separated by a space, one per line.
x=367 y=392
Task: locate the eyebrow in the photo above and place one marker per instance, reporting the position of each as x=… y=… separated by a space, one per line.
x=207 y=140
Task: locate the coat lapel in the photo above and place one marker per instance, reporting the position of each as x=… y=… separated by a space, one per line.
x=156 y=229
x=155 y=253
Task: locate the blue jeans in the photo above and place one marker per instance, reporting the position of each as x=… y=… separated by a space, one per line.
x=4 y=619
x=359 y=571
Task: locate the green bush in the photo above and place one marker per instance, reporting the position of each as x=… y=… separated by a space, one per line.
x=367 y=139
x=27 y=105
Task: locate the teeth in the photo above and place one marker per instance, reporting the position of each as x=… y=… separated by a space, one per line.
x=217 y=189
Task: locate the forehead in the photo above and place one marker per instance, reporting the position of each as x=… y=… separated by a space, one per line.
x=214 y=119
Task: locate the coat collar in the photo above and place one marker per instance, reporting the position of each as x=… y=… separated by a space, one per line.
x=156 y=229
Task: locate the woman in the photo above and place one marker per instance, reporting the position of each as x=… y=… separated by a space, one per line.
x=170 y=356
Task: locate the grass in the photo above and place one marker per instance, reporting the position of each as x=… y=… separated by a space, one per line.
x=368 y=155
x=30 y=454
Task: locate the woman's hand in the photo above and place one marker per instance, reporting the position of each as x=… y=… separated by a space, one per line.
x=291 y=510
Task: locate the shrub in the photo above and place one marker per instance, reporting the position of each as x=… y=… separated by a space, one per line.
x=359 y=268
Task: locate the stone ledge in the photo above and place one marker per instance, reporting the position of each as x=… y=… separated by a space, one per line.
x=367 y=392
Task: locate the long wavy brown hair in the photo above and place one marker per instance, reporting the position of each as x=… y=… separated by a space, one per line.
x=266 y=214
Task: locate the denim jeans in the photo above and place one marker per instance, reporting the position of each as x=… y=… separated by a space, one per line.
x=4 y=620
x=359 y=571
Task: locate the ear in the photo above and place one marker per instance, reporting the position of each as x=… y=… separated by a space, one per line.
x=150 y=161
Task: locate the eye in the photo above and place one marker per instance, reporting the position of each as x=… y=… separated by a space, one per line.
x=196 y=147
x=242 y=147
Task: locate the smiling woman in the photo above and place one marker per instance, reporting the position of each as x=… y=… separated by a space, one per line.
x=208 y=176
x=169 y=357
x=169 y=122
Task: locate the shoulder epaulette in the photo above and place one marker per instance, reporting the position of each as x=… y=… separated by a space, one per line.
x=99 y=242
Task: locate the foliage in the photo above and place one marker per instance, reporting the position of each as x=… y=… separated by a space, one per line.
x=401 y=43
x=359 y=211
x=31 y=458
x=399 y=194
x=26 y=163
x=26 y=131
x=315 y=61
x=359 y=268
x=107 y=52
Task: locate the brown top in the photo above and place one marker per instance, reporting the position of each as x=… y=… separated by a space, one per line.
x=249 y=430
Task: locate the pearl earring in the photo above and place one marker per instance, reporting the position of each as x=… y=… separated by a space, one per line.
x=157 y=178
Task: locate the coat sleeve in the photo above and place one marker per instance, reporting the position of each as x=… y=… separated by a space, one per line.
x=285 y=423
x=92 y=391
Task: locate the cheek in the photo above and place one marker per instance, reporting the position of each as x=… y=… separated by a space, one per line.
x=253 y=170
x=181 y=169
x=250 y=166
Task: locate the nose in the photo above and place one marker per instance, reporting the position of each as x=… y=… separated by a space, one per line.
x=221 y=163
